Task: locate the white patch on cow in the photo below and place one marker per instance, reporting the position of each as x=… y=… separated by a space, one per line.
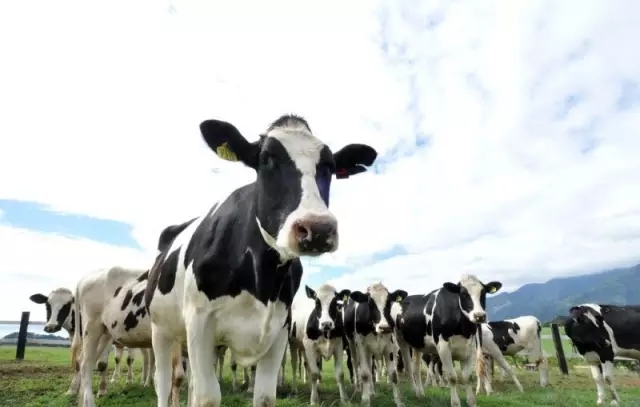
x=617 y=350
x=430 y=344
x=57 y=299
x=474 y=288
x=304 y=150
x=379 y=295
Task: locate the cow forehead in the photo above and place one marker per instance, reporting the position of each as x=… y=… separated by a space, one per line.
x=472 y=284
x=303 y=147
x=60 y=296
x=378 y=293
x=325 y=294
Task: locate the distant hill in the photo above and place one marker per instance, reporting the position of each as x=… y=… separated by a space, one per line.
x=31 y=335
x=549 y=300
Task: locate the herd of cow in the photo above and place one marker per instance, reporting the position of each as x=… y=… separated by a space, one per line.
x=226 y=281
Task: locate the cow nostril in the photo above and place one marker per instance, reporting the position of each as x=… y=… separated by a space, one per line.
x=302 y=231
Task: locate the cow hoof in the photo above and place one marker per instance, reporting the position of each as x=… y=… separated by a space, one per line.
x=112 y=380
x=614 y=403
x=101 y=393
x=70 y=393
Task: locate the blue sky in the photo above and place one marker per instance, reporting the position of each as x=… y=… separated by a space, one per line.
x=507 y=133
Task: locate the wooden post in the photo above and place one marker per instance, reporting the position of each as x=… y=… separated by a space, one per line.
x=557 y=341
x=22 y=335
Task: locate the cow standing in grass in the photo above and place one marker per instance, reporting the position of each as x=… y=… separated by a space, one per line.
x=506 y=338
x=445 y=322
x=369 y=322
x=317 y=332
x=230 y=276
x=61 y=315
x=601 y=332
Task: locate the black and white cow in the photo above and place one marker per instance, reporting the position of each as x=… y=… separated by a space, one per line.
x=369 y=324
x=600 y=333
x=109 y=305
x=445 y=322
x=317 y=331
x=229 y=276
x=61 y=315
x=506 y=338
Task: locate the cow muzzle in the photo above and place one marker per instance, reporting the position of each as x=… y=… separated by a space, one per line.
x=315 y=235
x=479 y=317
x=51 y=328
x=385 y=329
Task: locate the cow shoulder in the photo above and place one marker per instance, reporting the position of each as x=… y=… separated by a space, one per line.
x=413 y=324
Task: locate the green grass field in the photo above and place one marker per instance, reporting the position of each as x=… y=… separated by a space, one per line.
x=43 y=377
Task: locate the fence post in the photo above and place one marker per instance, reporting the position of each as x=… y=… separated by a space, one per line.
x=557 y=341
x=22 y=335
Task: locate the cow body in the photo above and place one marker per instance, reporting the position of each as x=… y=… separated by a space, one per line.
x=445 y=322
x=369 y=321
x=109 y=306
x=60 y=305
x=229 y=276
x=507 y=338
x=600 y=333
x=317 y=332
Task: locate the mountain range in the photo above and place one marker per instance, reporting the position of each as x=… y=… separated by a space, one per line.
x=552 y=299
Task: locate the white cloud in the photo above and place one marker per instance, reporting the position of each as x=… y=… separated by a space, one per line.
x=105 y=124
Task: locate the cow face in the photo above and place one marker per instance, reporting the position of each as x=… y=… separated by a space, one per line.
x=380 y=301
x=586 y=326
x=59 y=309
x=328 y=306
x=294 y=172
x=472 y=294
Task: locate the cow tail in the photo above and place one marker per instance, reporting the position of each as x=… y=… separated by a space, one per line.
x=76 y=343
x=481 y=365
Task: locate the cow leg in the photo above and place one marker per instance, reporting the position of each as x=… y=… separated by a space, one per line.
x=234 y=372
x=467 y=367
x=103 y=349
x=117 y=358
x=90 y=343
x=314 y=374
x=405 y=351
x=177 y=373
x=202 y=358
x=266 y=380
x=149 y=361
x=356 y=366
x=392 y=375
x=505 y=366
x=221 y=353
x=162 y=349
x=75 y=382
x=293 y=350
x=130 y=359
x=607 y=370
x=350 y=366
x=537 y=356
x=596 y=372
x=417 y=372
x=251 y=377
x=282 y=368
x=338 y=355
x=366 y=366
x=449 y=371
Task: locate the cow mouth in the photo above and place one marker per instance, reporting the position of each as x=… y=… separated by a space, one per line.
x=52 y=329
x=386 y=330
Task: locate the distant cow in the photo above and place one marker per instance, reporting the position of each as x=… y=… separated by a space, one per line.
x=600 y=333
x=445 y=322
x=506 y=338
x=317 y=331
x=109 y=304
x=61 y=315
x=369 y=327
x=229 y=276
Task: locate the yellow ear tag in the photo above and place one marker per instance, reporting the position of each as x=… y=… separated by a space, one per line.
x=345 y=298
x=492 y=290
x=399 y=298
x=223 y=151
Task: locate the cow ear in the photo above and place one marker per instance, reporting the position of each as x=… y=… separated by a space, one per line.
x=454 y=288
x=493 y=287
x=39 y=298
x=358 y=296
x=226 y=141
x=344 y=295
x=398 y=295
x=310 y=293
x=353 y=159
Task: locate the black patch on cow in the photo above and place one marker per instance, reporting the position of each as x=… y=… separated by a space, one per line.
x=127 y=300
x=113 y=325
x=102 y=366
x=63 y=314
x=169 y=234
x=501 y=336
x=413 y=325
x=73 y=322
x=115 y=294
x=391 y=356
x=133 y=319
x=293 y=331
x=137 y=299
x=48 y=307
x=168 y=273
x=143 y=276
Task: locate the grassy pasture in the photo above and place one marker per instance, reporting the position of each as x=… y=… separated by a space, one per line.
x=43 y=377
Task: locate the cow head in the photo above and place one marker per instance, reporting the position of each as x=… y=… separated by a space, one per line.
x=472 y=294
x=59 y=309
x=380 y=301
x=294 y=172
x=586 y=326
x=328 y=306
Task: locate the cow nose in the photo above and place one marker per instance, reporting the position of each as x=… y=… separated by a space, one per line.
x=316 y=234
x=480 y=316
x=326 y=326
x=49 y=328
x=384 y=329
